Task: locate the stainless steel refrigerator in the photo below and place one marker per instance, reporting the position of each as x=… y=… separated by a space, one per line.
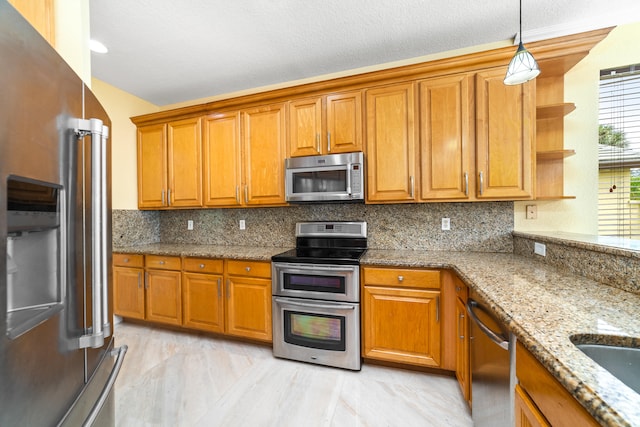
x=57 y=357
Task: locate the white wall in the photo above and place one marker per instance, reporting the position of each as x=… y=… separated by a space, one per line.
x=580 y=215
x=120 y=106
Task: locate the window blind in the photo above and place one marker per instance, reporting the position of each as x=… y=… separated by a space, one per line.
x=619 y=152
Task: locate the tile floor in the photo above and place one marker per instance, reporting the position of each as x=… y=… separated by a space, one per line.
x=182 y=379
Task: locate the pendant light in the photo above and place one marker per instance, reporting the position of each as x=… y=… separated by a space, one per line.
x=523 y=67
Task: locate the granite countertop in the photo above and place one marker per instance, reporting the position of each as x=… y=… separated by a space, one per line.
x=253 y=253
x=542 y=305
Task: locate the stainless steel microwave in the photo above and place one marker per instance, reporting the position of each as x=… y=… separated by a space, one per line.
x=331 y=178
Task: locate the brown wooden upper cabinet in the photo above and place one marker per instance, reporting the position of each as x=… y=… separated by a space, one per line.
x=475 y=139
x=391 y=143
x=505 y=129
x=446 y=137
x=245 y=168
x=170 y=165
x=325 y=124
x=222 y=149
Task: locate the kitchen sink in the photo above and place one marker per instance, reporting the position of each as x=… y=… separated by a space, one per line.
x=622 y=362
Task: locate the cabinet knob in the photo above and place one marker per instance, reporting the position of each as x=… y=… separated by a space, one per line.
x=201 y=265
x=248 y=269
x=400 y=278
x=458 y=288
x=161 y=262
x=126 y=260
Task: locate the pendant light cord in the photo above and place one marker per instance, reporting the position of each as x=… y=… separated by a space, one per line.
x=520 y=21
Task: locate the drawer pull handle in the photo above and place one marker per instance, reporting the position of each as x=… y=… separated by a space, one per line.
x=458 y=288
x=126 y=260
x=248 y=269
x=201 y=265
x=400 y=278
x=161 y=262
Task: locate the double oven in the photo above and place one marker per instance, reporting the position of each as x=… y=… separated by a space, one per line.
x=316 y=295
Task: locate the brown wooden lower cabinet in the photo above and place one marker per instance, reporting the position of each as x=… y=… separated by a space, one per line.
x=231 y=297
x=248 y=299
x=128 y=285
x=163 y=286
x=541 y=400
x=401 y=315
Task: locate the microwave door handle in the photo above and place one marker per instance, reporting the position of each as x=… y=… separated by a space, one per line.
x=349 y=178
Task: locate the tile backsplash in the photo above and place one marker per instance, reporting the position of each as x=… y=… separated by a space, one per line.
x=483 y=226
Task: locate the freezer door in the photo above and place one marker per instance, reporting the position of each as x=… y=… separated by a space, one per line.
x=95 y=406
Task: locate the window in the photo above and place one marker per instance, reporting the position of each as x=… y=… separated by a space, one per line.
x=619 y=152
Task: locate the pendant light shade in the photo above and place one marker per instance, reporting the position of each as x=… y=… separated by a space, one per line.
x=523 y=66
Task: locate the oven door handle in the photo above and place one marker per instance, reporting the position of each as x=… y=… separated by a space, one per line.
x=312 y=268
x=335 y=306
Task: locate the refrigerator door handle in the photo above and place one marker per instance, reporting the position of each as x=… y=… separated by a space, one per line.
x=101 y=327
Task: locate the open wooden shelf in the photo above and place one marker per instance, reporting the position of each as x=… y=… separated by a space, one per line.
x=554 y=197
x=554 y=154
x=554 y=110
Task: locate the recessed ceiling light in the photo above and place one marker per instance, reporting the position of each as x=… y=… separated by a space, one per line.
x=97 y=47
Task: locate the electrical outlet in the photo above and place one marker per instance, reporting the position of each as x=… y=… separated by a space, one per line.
x=540 y=249
x=242 y=224
x=190 y=224
x=532 y=212
x=446 y=224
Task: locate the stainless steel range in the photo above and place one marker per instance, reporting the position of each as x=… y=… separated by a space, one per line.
x=316 y=295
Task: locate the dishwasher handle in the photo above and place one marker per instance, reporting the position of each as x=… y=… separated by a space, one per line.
x=497 y=338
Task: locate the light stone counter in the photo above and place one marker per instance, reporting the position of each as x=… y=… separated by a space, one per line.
x=251 y=253
x=544 y=306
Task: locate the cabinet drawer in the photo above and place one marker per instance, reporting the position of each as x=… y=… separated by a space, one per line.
x=163 y=262
x=203 y=265
x=426 y=279
x=249 y=268
x=128 y=260
x=462 y=290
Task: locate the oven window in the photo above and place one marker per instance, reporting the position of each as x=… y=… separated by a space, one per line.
x=330 y=181
x=313 y=330
x=309 y=282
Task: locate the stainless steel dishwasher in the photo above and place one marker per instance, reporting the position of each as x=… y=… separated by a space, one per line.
x=492 y=366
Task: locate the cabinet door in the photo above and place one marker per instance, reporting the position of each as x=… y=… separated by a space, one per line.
x=344 y=122
x=203 y=301
x=222 y=160
x=462 y=350
x=401 y=325
x=305 y=127
x=128 y=292
x=152 y=166
x=446 y=135
x=164 y=302
x=184 y=159
x=391 y=150
x=527 y=413
x=504 y=136
x=249 y=307
x=264 y=147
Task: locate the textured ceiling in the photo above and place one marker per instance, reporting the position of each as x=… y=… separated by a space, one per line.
x=168 y=51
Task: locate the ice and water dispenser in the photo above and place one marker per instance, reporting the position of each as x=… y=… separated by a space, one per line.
x=34 y=291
